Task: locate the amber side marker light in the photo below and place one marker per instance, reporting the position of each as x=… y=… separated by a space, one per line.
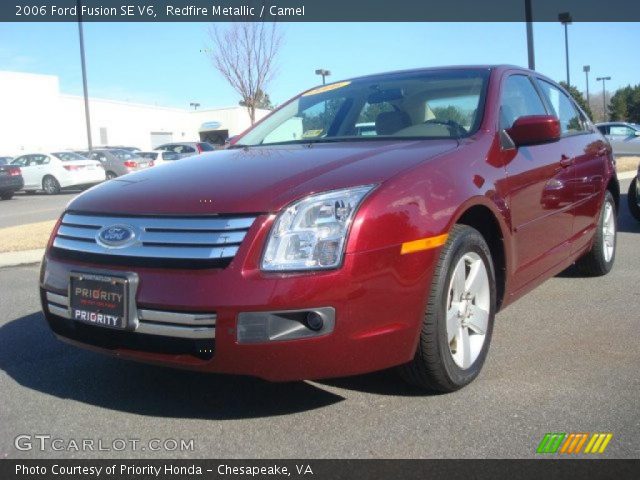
x=424 y=244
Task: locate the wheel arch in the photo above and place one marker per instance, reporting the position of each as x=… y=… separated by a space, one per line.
x=484 y=219
x=614 y=187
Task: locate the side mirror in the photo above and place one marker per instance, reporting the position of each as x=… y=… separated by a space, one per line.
x=534 y=130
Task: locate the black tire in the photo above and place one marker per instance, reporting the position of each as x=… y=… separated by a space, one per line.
x=433 y=367
x=50 y=185
x=632 y=198
x=111 y=175
x=6 y=195
x=594 y=262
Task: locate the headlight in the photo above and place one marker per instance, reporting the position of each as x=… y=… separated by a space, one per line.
x=311 y=233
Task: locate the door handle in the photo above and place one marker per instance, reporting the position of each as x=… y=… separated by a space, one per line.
x=566 y=161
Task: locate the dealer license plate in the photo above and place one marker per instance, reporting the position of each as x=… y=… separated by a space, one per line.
x=99 y=300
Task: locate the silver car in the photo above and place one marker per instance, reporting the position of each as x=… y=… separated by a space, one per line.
x=117 y=162
x=624 y=137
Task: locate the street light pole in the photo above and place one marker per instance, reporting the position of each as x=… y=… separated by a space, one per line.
x=565 y=19
x=323 y=73
x=604 y=97
x=84 y=76
x=529 y=20
x=586 y=69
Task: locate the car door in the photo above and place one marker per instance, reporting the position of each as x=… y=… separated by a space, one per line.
x=624 y=139
x=102 y=158
x=42 y=168
x=539 y=188
x=587 y=152
x=28 y=168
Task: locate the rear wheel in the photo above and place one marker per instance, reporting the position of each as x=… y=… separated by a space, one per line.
x=50 y=185
x=634 y=199
x=6 y=195
x=458 y=322
x=599 y=260
x=111 y=175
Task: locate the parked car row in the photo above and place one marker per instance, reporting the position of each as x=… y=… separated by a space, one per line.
x=56 y=171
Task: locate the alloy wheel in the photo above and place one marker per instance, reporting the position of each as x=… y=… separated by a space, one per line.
x=50 y=185
x=468 y=305
x=608 y=232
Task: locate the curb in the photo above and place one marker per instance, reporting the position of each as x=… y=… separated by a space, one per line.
x=25 y=257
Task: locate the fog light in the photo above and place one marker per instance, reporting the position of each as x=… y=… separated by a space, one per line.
x=314 y=321
x=259 y=327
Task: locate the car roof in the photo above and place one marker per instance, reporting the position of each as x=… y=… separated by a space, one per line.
x=437 y=69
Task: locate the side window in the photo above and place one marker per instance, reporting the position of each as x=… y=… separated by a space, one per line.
x=621 y=130
x=604 y=129
x=20 y=161
x=187 y=149
x=519 y=99
x=570 y=119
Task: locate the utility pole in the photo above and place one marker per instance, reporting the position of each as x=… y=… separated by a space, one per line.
x=604 y=97
x=529 y=19
x=586 y=69
x=565 y=19
x=324 y=73
x=84 y=76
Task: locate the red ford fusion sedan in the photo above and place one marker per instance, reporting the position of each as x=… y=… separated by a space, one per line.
x=311 y=248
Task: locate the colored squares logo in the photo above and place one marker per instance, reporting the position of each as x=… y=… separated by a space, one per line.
x=574 y=443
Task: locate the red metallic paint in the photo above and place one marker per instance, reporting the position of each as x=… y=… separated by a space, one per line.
x=545 y=207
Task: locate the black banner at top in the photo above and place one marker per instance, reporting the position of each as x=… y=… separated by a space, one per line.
x=316 y=10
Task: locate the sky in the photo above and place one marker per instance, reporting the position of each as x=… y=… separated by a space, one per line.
x=164 y=63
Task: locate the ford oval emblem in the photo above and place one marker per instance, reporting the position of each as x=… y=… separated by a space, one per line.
x=116 y=236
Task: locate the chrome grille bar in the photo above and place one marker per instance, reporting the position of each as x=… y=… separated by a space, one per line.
x=162 y=223
x=153 y=322
x=179 y=238
x=148 y=251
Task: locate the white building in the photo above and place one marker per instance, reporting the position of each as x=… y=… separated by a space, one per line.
x=35 y=116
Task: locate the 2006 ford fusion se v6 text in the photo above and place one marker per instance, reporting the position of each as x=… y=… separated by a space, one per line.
x=366 y=224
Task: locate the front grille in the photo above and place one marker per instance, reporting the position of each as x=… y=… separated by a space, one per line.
x=159 y=241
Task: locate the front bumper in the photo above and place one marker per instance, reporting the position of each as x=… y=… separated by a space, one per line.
x=378 y=298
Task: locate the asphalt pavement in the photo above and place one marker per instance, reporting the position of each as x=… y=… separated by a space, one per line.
x=26 y=208
x=563 y=359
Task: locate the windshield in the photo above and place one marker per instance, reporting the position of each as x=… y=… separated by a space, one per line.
x=68 y=156
x=409 y=105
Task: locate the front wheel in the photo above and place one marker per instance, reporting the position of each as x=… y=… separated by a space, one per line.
x=50 y=185
x=7 y=196
x=599 y=260
x=634 y=199
x=458 y=322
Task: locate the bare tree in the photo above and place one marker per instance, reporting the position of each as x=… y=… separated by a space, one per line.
x=244 y=53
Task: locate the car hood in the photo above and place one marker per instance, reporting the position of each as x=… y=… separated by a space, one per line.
x=255 y=180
